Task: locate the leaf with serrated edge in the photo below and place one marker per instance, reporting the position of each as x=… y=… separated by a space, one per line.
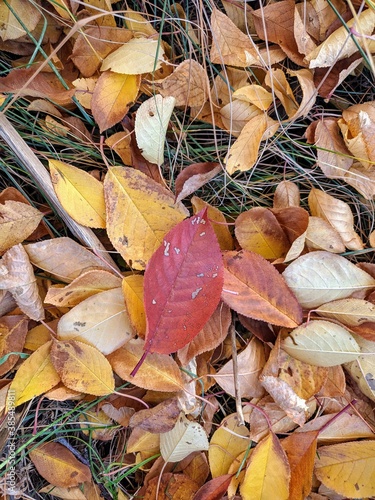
x=351 y=312
x=254 y=288
x=159 y=372
x=320 y=277
x=80 y=193
x=82 y=368
x=186 y=437
x=321 y=343
x=100 y=321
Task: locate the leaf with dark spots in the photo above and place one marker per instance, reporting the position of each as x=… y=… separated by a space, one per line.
x=182 y=285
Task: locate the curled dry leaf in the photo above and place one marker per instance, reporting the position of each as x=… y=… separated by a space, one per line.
x=320 y=277
x=151 y=123
x=214 y=489
x=17 y=222
x=59 y=466
x=100 y=321
x=120 y=142
x=236 y=114
x=276 y=80
x=17 y=276
x=193 y=177
x=254 y=288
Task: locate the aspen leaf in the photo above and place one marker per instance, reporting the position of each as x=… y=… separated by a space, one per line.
x=59 y=466
x=268 y=473
x=320 y=235
x=321 y=343
x=80 y=194
x=18 y=277
x=254 y=288
x=259 y=231
x=151 y=123
x=351 y=312
x=338 y=214
x=193 y=177
x=17 y=222
x=159 y=372
x=35 y=376
x=139 y=55
x=84 y=286
x=185 y=438
x=226 y=443
x=113 y=95
x=348 y=468
x=82 y=368
x=148 y=218
x=63 y=258
x=320 y=277
x=100 y=321
x=132 y=288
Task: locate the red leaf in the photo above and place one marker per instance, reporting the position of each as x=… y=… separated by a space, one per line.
x=182 y=285
x=214 y=489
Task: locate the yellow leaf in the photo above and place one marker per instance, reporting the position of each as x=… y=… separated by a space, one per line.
x=276 y=80
x=236 y=114
x=151 y=123
x=35 y=376
x=132 y=288
x=141 y=440
x=159 y=372
x=338 y=214
x=82 y=368
x=138 y=24
x=80 y=194
x=268 y=473
x=218 y=222
x=114 y=94
x=17 y=222
x=139 y=55
x=120 y=142
x=227 y=442
x=100 y=321
x=38 y=336
x=254 y=94
x=139 y=214
x=244 y=152
x=348 y=468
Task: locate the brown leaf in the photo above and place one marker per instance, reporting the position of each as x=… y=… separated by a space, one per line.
x=293 y=220
x=320 y=235
x=193 y=177
x=286 y=195
x=176 y=486
x=260 y=329
x=162 y=418
x=120 y=143
x=214 y=489
x=13 y=330
x=58 y=465
x=328 y=79
x=253 y=287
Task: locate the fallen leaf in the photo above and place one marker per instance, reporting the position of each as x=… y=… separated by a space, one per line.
x=137 y=56
x=113 y=95
x=13 y=330
x=162 y=418
x=293 y=221
x=96 y=424
x=320 y=235
x=193 y=177
x=132 y=289
x=214 y=489
x=11 y=27
x=80 y=194
x=138 y=24
x=169 y=486
x=183 y=284
x=320 y=277
x=148 y=218
x=268 y=473
x=254 y=94
x=120 y=143
x=362 y=369
x=276 y=80
x=159 y=372
x=18 y=277
x=73 y=493
x=185 y=438
x=286 y=195
x=17 y=222
x=58 y=465
x=82 y=368
x=151 y=123
x=348 y=468
x=321 y=343
x=236 y=114
x=100 y=321
x=351 y=312
x=35 y=376
x=253 y=287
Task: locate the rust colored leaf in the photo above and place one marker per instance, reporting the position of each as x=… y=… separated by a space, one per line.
x=176 y=486
x=193 y=177
x=162 y=418
x=214 y=489
x=293 y=221
x=253 y=287
x=260 y=329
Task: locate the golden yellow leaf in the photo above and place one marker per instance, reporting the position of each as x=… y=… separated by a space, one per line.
x=132 y=288
x=87 y=284
x=320 y=235
x=139 y=55
x=120 y=142
x=35 y=376
x=254 y=94
x=101 y=6
x=114 y=94
x=82 y=368
x=136 y=222
x=221 y=229
x=236 y=114
x=362 y=370
x=39 y=335
x=80 y=194
x=159 y=372
x=151 y=123
x=73 y=493
x=348 y=468
x=58 y=465
x=97 y=424
x=276 y=80
x=244 y=152
x=138 y=24
x=100 y=321
x=338 y=214
x=17 y=222
x=227 y=442
x=268 y=473
x=141 y=440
